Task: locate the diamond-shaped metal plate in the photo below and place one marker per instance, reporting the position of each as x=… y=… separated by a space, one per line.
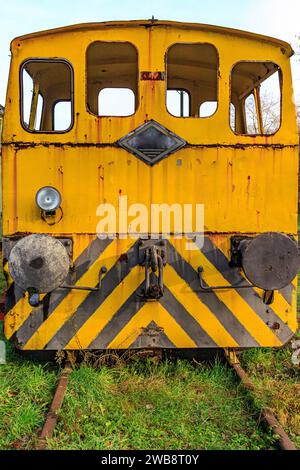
x=151 y=142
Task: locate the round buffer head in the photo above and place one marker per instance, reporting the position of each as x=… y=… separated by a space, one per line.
x=39 y=262
x=271 y=260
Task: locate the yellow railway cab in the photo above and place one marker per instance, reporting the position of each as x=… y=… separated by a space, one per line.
x=150 y=197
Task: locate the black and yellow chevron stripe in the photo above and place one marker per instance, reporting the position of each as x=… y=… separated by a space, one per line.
x=119 y=317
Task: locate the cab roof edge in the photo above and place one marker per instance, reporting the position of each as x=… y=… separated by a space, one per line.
x=285 y=46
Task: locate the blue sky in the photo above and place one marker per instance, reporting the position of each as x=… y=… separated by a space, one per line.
x=271 y=17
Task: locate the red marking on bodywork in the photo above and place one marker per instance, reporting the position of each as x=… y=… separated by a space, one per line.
x=153 y=76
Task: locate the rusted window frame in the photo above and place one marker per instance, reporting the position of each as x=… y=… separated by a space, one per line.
x=218 y=78
x=137 y=95
x=281 y=78
x=51 y=60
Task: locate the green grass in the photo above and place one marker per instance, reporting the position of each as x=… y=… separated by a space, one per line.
x=277 y=385
x=25 y=391
x=156 y=406
x=140 y=405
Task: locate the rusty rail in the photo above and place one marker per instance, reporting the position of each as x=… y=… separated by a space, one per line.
x=284 y=441
x=52 y=415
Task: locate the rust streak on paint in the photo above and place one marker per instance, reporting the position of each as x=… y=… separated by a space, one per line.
x=98 y=127
x=61 y=177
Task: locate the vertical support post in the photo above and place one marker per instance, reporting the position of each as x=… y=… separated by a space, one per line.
x=34 y=102
x=181 y=103
x=258 y=110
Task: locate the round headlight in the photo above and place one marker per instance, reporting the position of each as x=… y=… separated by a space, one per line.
x=48 y=198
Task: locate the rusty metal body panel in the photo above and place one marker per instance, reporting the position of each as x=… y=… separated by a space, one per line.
x=248 y=185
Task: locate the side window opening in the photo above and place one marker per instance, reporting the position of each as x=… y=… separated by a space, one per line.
x=112 y=78
x=44 y=84
x=178 y=103
x=29 y=102
x=208 y=108
x=194 y=69
x=62 y=111
x=27 y=84
x=256 y=96
x=270 y=98
x=251 y=114
x=232 y=116
x=39 y=113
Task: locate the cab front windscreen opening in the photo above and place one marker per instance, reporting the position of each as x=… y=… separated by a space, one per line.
x=116 y=102
x=192 y=80
x=112 y=78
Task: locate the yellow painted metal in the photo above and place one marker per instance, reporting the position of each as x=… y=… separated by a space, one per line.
x=238 y=194
x=1 y=124
x=247 y=184
x=197 y=309
x=161 y=316
x=67 y=307
x=232 y=356
x=232 y=298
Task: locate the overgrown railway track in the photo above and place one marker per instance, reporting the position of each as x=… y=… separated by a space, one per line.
x=267 y=417
x=52 y=415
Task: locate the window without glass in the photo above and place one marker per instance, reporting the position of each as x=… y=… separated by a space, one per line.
x=256 y=97
x=45 y=84
x=251 y=114
x=112 y=79
x=116 y=102
x=232 y=116
x=62 y=115
x=208 y=108
x=194 y=69
x=178 y=103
